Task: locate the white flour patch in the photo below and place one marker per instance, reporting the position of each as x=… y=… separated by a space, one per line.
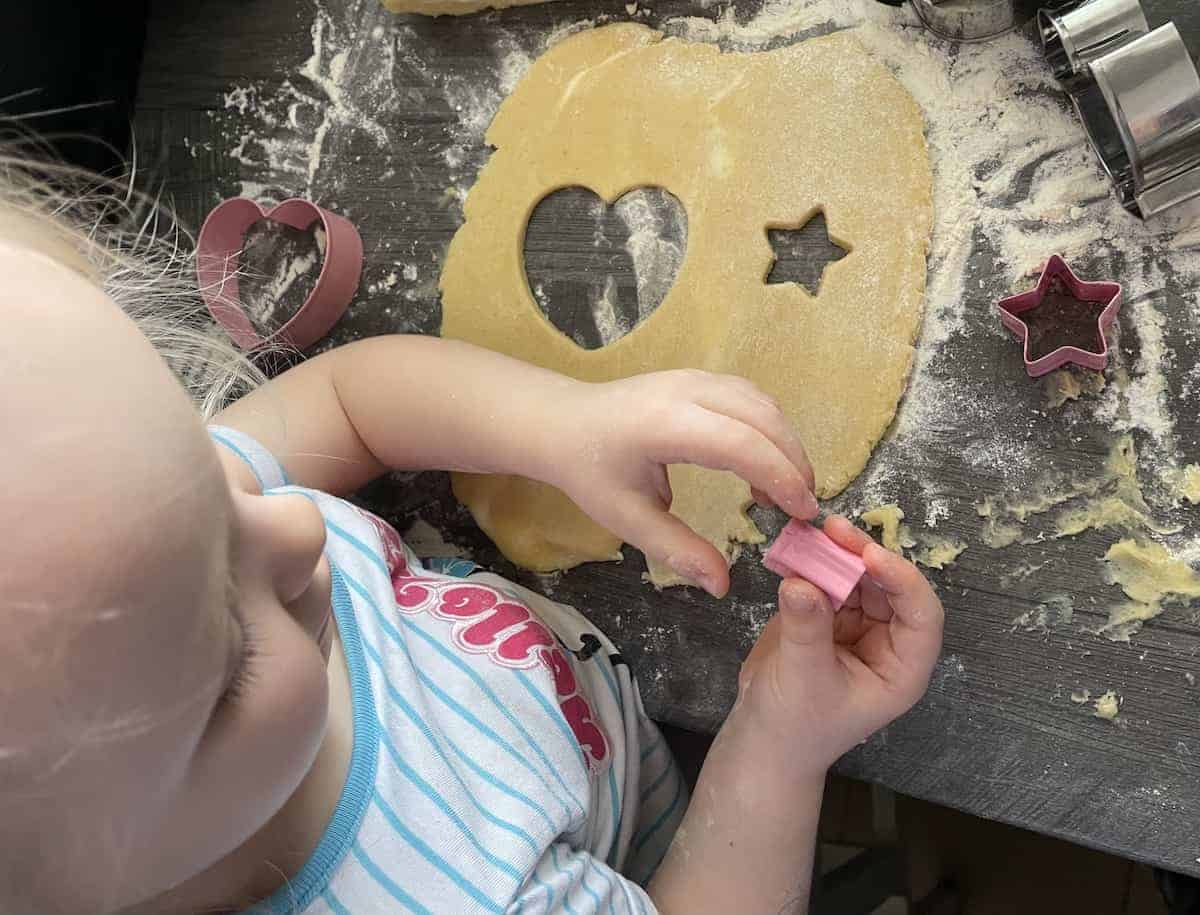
x=608 y=323
x=754 y=615
x=1145 y=399
x=655 y=248
x=936 y=508
x=286 y=275
x=283 y=133
x=383 y=285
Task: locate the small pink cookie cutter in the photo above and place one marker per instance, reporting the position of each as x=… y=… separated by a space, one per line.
x=217 y=253
x=802 y=551
x=1057 y=269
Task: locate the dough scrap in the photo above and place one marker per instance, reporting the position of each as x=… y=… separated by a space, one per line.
x=496 y=501
x=744 y=141
x=1150 y=576
x=1066 y=384
x=1188 y=484
x=935 y=552
x=895 y=536
x=1107 y=706
x=1113 y=498
x=939 y=552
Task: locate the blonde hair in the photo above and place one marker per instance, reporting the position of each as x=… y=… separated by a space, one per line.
x=131 y=246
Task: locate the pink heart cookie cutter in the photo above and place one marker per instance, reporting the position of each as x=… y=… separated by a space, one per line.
x=218 y=250
x=802 y=551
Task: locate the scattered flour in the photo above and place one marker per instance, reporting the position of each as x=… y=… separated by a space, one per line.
x=287 y=274
x=1142 y=403
x=282 y=133
x=513 y=65
x=936 y=508
x=604 y=312
x=949 y=670
x=656 y=244
x=383 y=285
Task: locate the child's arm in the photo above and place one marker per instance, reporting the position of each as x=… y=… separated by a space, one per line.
x=816 y=684
x=396 y=403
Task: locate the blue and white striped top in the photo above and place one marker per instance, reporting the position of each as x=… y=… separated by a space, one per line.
x=502 y=760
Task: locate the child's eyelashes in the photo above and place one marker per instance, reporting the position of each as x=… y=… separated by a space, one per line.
x=244 y=671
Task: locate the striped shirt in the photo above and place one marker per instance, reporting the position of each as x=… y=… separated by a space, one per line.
x=502 y=760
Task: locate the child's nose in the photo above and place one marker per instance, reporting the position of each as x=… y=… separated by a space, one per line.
x=297 y=539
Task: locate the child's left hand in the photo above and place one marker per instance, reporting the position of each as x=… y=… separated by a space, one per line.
x=815 y=684
x=622 y=436
x=818 y=682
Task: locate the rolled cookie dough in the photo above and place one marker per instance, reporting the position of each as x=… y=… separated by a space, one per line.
x=745 y=142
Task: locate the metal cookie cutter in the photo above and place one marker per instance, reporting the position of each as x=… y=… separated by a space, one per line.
x=978 y=20
x=974 y=20
x=1138 y=94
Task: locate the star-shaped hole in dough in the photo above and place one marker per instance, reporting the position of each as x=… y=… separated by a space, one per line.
x=803 y=253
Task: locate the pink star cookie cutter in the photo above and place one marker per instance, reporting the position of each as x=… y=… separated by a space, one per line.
x=802 y=551
x=1057 y=271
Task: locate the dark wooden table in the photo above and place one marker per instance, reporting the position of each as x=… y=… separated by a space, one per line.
x=998 y=734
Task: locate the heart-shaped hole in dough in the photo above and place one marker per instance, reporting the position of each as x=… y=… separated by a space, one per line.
x=279 y=266
x=597 y=271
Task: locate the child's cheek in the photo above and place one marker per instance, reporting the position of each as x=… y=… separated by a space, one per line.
x=291 y=712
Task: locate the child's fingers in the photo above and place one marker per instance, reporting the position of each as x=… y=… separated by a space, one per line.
x=850 y=625
x=875 y=601
x=742 y=400
x=846 y=535
x=917 y=615
x=868 y=596
x=806 y=623
x=641 y=520
x=761 y=498
x=714 y=440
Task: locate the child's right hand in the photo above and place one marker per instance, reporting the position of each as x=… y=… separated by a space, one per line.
x=817 y=682
x=612 y=453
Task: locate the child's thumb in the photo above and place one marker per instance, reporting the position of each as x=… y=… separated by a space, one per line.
x=806 y=620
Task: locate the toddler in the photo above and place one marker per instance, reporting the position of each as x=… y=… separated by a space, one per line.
x=225 y=688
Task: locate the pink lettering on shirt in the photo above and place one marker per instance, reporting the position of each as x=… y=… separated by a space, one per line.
x=486 y=622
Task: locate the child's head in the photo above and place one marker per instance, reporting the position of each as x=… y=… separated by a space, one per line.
x=162 y=678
